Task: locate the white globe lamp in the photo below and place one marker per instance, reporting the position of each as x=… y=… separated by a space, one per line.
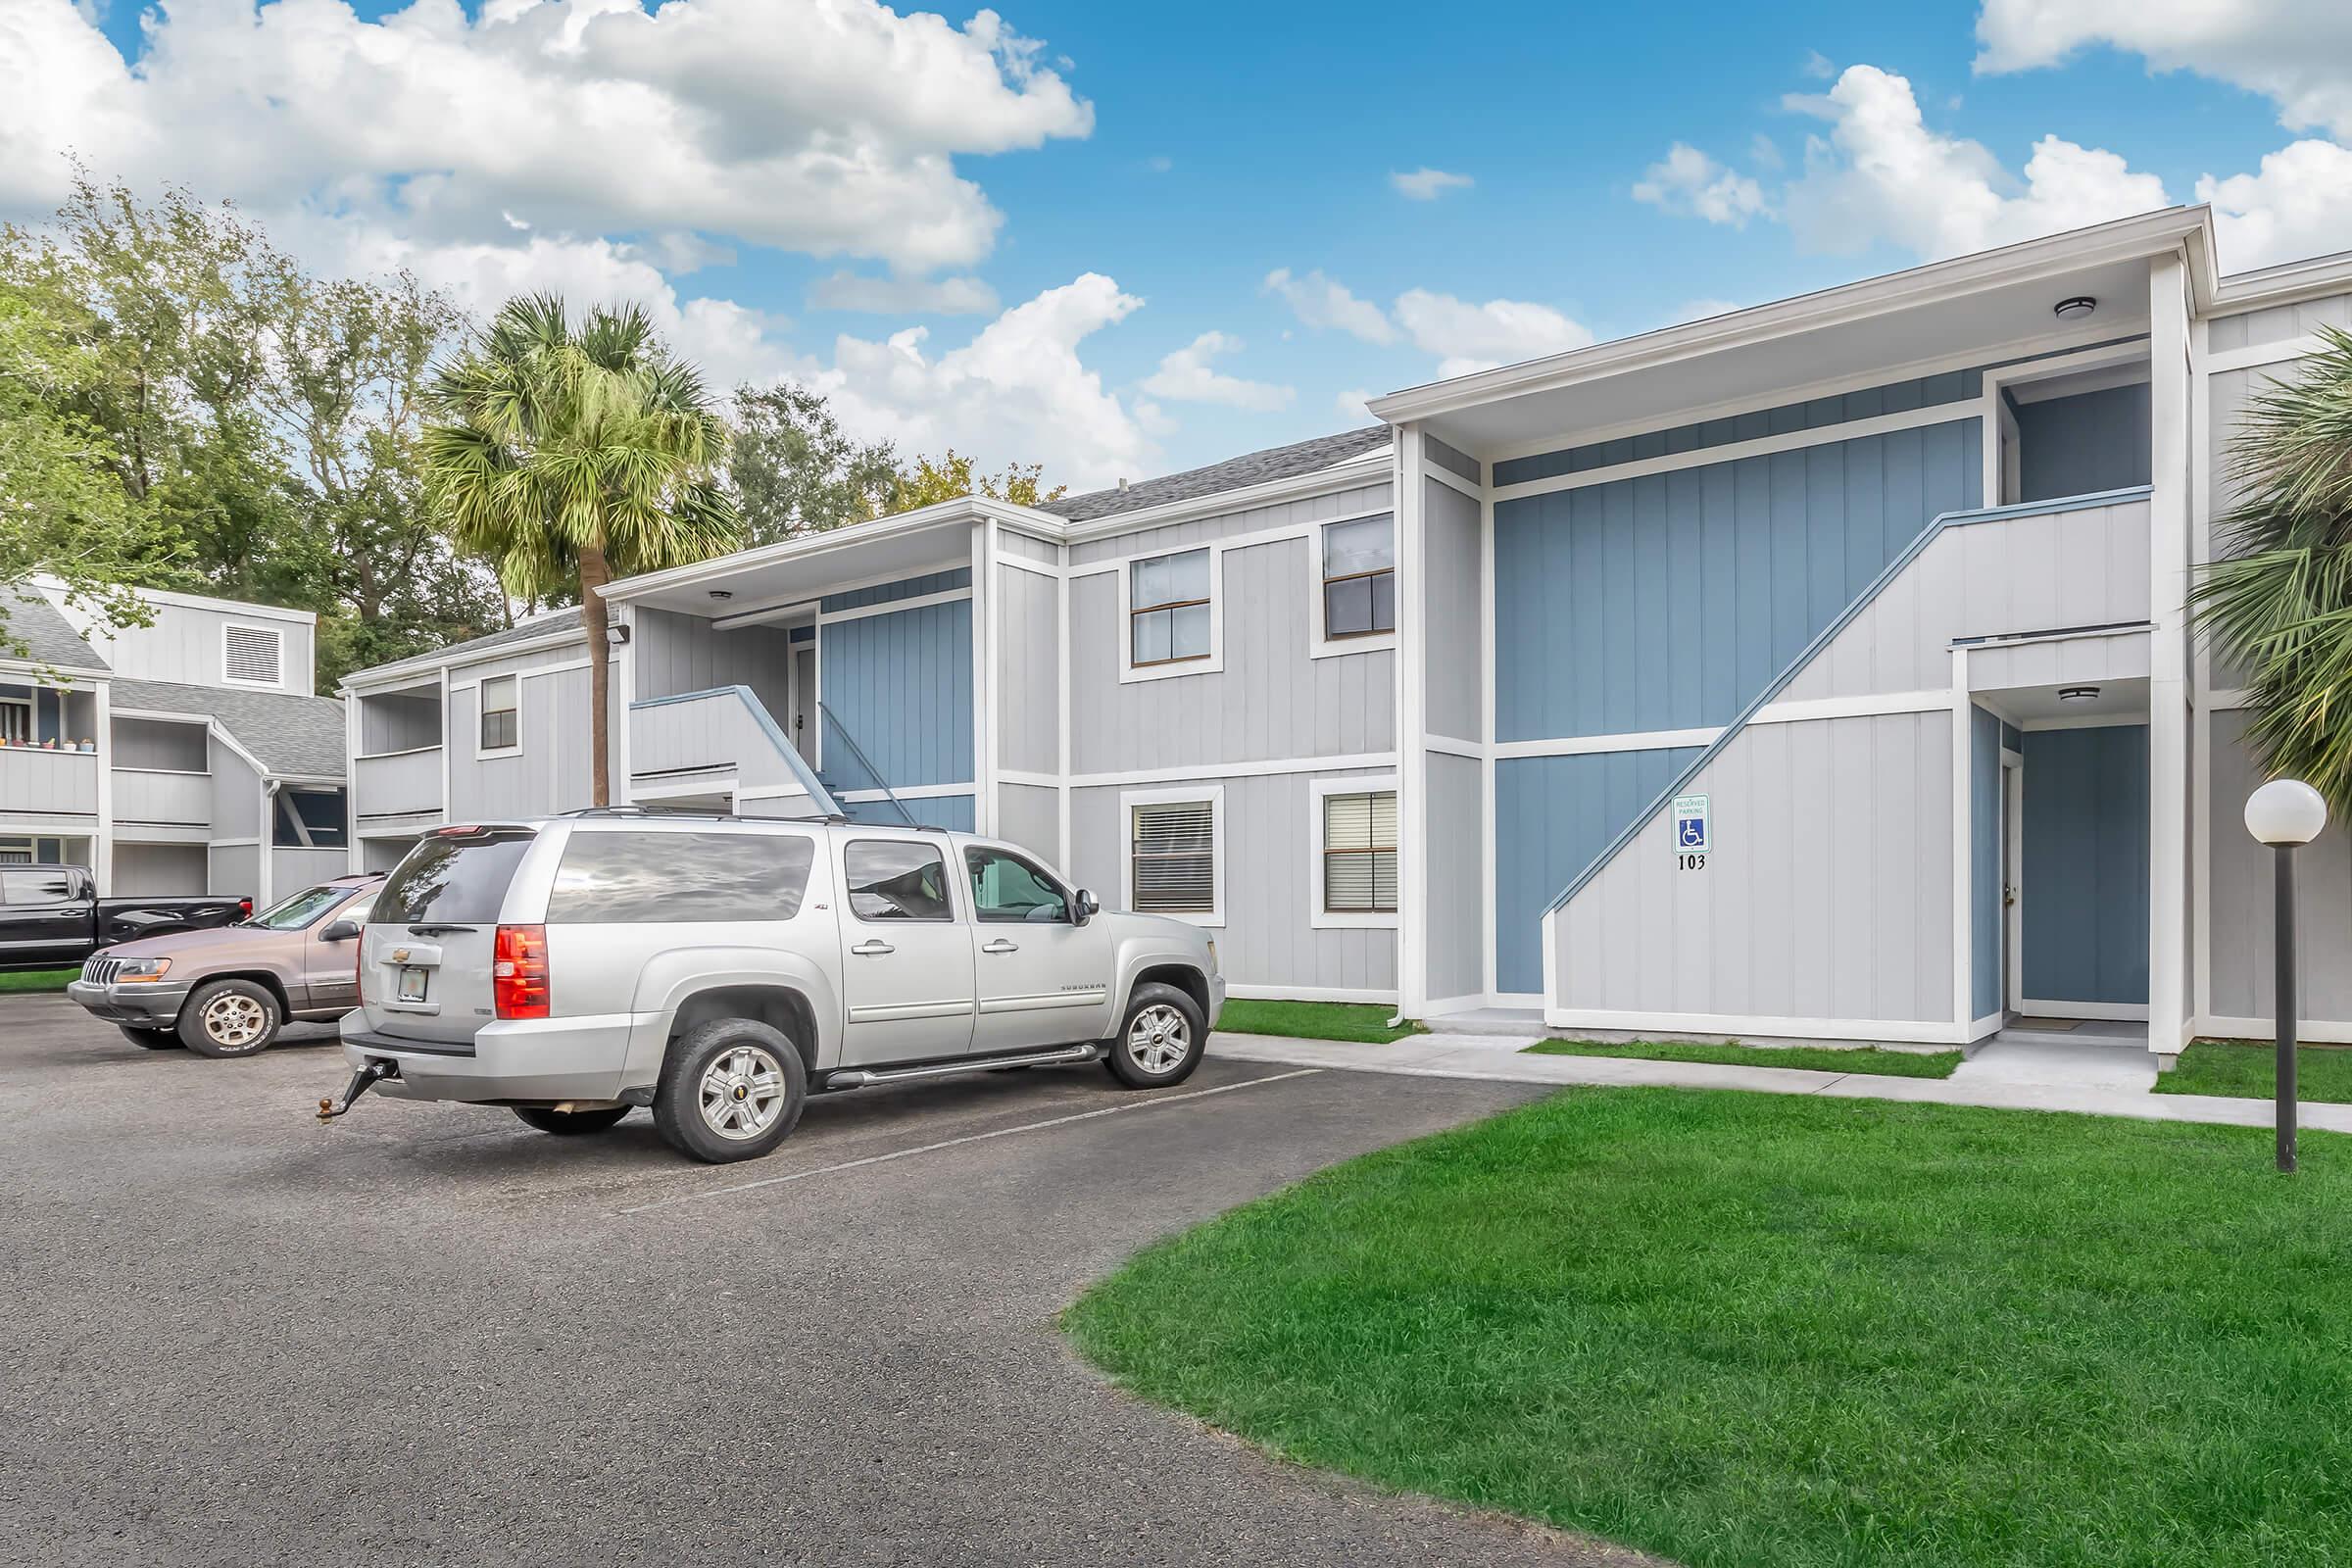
x=2286 y=812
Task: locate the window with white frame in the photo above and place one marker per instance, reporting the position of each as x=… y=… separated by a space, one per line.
x=1175 y=853
x=502 y=714
x=252 y=655
x=1168 y=609
x=1358 y=862
x=1359 y=578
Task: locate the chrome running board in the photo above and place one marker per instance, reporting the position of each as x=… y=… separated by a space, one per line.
x=861 y=1077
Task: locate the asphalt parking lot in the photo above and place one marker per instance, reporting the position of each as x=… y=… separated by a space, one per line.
x=427 y=1333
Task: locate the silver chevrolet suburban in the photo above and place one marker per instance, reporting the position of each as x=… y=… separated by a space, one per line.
x=718 y=970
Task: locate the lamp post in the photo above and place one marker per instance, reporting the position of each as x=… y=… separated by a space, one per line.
x=2285 y=814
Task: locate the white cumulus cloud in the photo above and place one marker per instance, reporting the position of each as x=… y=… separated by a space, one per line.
x=823 y=126
x=1187 y=377
x=1467 y=336
x=1319 y=302
x=2297 y=204
x=1882 y=173
x=2297 y=53
x=1428 y=184
x=1688 y=181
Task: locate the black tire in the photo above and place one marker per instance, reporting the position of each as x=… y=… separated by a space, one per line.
x=570 y=1123
x=151 y=1038
x=1132 y=1062
x=230 y=1018
x=698 y=1055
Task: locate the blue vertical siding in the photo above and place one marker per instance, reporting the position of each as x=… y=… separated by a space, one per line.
x=883 y=593
x=1668 y=601
x=1984 y=862
x=2086 y=885
x=902 y=684
x=1898 y=397
x=1552 y=815
x=2085 y=444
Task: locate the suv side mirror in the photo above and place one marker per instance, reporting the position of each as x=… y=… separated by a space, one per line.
x=339 y=931
x=1084 y=908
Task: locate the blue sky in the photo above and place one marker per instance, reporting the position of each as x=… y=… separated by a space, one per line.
x=1209 y=154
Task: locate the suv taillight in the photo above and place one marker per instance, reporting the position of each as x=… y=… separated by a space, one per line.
x=518 y=971
x=358 y=966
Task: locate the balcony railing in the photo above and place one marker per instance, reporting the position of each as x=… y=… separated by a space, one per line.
x=725 y=729
x=43 y=783
x=162 y=798
x=397 y=783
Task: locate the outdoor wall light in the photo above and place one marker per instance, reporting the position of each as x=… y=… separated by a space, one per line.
x=617 y=636
x=2078 y=694
x=2074 y=309
x=720 y=594
x=2285 y=814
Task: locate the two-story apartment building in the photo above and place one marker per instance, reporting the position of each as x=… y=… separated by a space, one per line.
x=185 y=755
x=1819 y=670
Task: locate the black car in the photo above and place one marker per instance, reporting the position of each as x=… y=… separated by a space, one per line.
x=51 y=916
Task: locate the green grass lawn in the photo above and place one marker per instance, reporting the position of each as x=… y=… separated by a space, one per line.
x=2250 y=1070
x=16 y=980
x=1365 y=1024
x=1752 y=1329
x=1819 y=1058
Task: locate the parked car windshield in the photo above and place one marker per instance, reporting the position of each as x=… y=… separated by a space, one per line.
x=295 y=913
x=455 y=878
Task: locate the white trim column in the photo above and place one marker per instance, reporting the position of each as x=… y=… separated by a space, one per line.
x=1412 y=748
x=984 y=643
x=354 y=855
x=102 y=834
x=621 y=691
x=2169 y=694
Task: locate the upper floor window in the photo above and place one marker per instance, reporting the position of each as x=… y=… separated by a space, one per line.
x=502 y=714
x=252 y=655
x=1168 y=609
x=1360 y=578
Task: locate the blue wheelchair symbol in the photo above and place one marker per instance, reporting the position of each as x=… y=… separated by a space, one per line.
x=1694 y=833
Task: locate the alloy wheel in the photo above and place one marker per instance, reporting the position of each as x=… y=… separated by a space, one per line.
x=1158 y=1039
x=742 y=1093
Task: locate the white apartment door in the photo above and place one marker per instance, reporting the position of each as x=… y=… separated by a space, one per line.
x=804 y=702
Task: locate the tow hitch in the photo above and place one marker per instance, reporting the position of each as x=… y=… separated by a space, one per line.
x=362 y=1081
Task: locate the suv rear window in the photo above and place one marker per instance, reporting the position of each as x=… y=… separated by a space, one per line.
x=453 y=878
x=610 y=878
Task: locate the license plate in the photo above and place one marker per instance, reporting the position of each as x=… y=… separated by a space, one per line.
x=411 y=984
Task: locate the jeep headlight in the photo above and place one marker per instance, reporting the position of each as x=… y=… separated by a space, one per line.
x=142 y=969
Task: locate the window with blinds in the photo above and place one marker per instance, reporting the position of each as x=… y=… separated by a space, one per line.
x=251 y=656
x=502 y=718
x=1359 y=853
x=1174 y=856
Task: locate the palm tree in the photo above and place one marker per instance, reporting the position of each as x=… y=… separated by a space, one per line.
x=569 y=456
x=2279 y=604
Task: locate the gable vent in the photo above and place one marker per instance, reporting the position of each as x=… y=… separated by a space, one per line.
x=250 y=656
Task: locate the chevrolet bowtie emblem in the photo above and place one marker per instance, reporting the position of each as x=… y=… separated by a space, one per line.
x=400 y=954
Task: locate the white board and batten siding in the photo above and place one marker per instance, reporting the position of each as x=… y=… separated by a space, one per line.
x=2236 y=872
x=1269 y=942
x=549 y=773
x=203 y=645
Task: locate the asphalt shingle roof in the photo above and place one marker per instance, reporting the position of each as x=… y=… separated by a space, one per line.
x=291 y=735
x=1253 y=468
x=555 y=621
x=49 y=638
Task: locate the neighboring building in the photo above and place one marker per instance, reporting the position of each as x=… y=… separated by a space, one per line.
x=212 y=767
x=1812 y=670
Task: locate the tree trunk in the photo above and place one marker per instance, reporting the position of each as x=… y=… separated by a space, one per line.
x=594 y=574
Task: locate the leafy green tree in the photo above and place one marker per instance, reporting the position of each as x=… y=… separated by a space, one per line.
x=569 y=456
x=792 y=470
x=952 y=475
x=2279 y=604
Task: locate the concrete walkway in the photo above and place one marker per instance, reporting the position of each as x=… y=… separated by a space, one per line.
x=2016 y=1078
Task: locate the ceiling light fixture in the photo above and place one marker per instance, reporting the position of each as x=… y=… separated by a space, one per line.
x=2078 y=694
x=721 y=593
x=2075 y=308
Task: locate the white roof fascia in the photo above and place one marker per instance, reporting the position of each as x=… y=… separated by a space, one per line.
x=2150 y=234
x=404 y=673
x=802 y=547
x=2287 y=283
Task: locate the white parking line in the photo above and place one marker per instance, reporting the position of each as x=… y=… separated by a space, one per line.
x=969 y=1137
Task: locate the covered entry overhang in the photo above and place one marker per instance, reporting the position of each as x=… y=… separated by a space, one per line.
x=1974 y=310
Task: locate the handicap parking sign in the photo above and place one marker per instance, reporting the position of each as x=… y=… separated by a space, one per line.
x=1692 y=833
